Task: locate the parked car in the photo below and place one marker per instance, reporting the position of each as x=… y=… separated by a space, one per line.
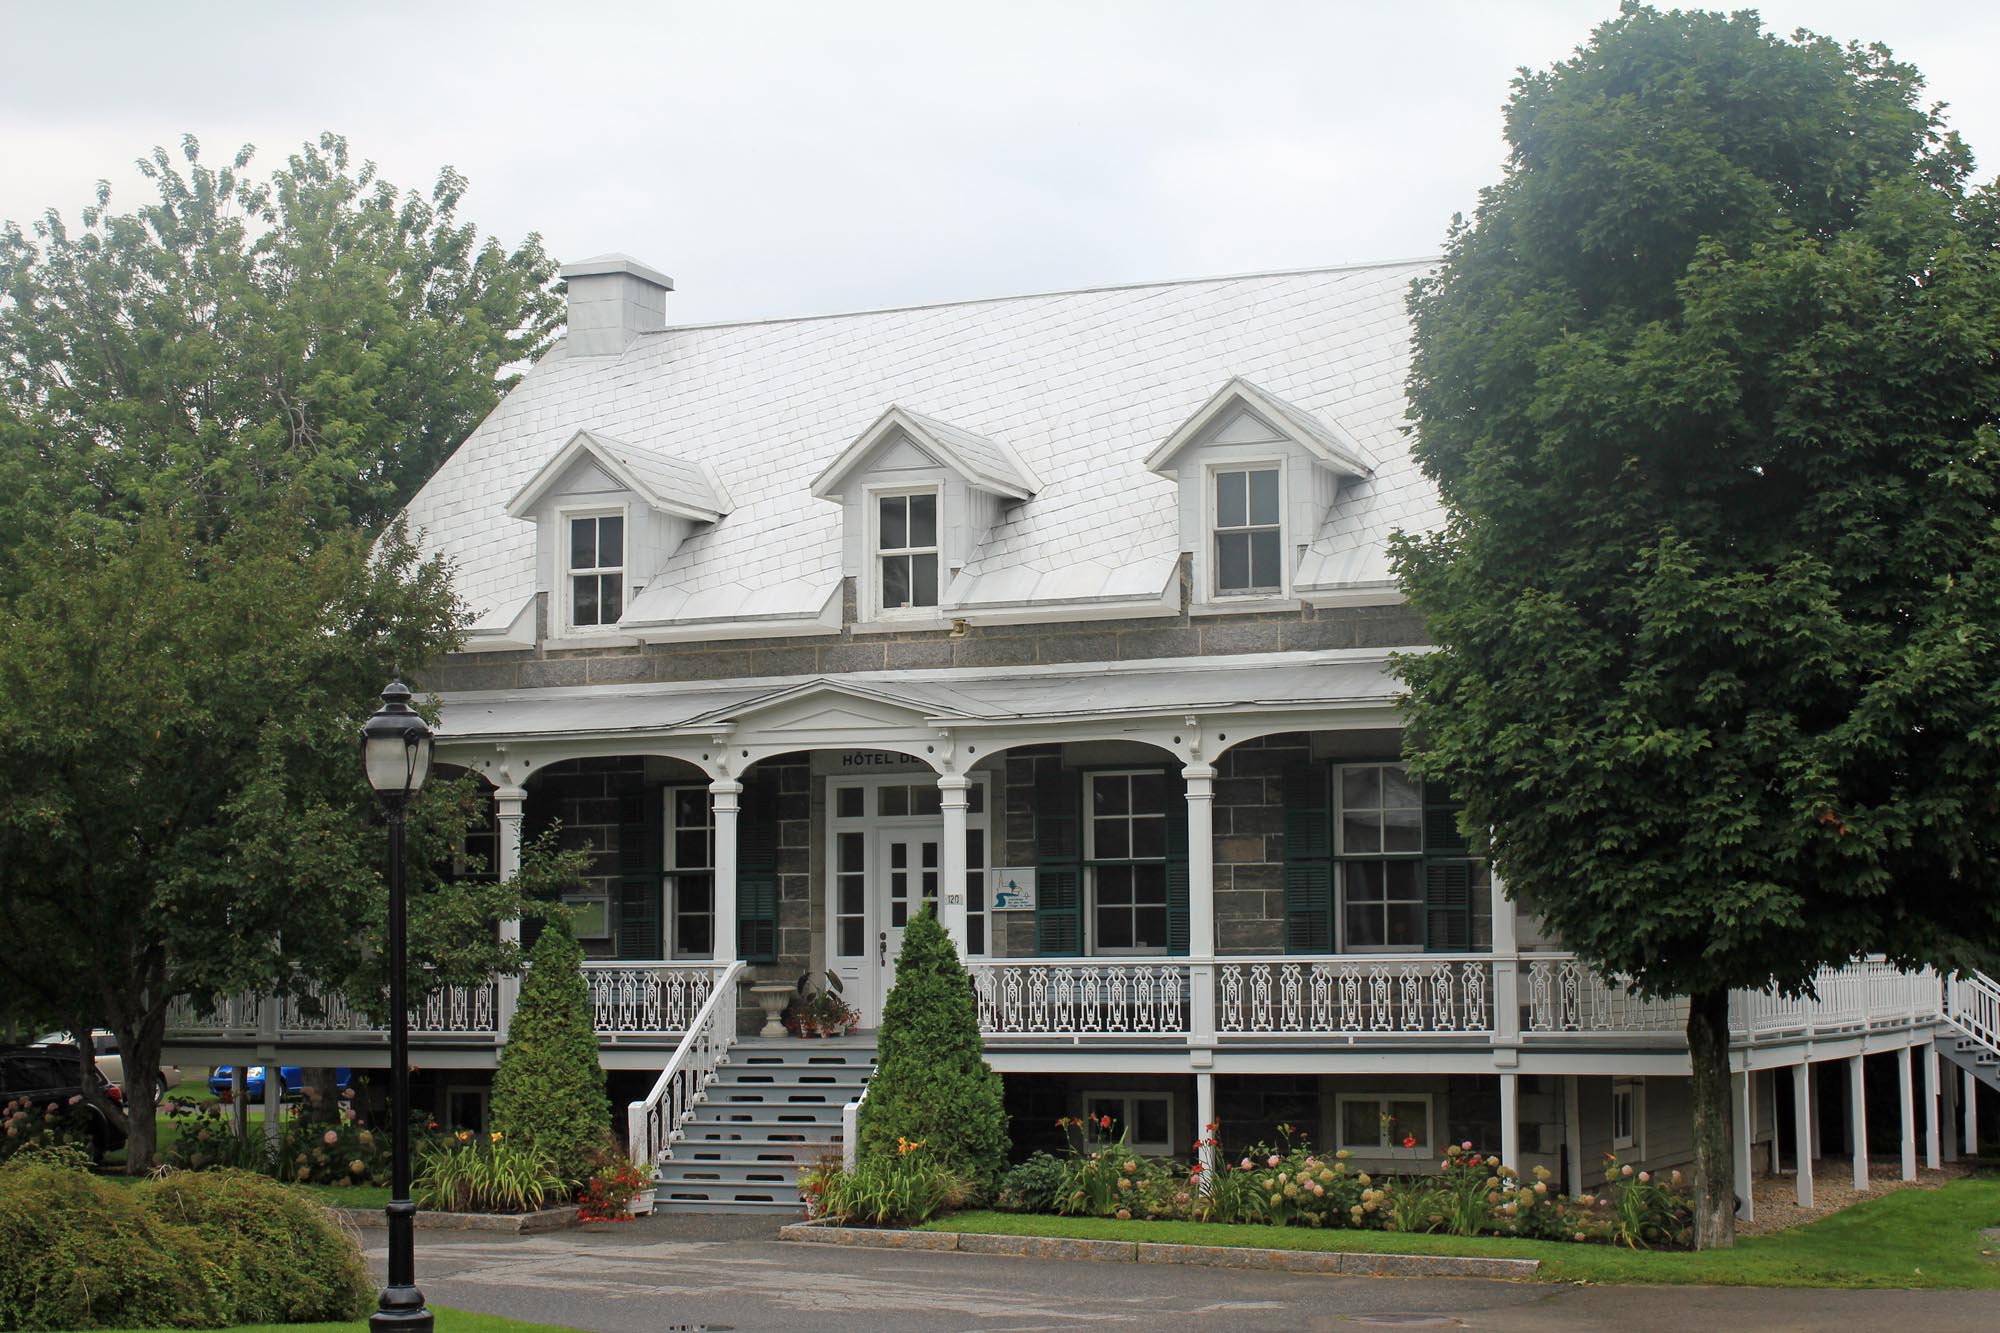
x=291 y=1078
x=41 y=1074
x=111 y=1062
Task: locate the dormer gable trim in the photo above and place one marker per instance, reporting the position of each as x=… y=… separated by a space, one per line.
x=985 y=463
x=664 y=483
x=1325 y=440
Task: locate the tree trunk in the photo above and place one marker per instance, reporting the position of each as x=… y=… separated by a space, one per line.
x=1714 y=1121
x=320 y=1090
x=142 y=1062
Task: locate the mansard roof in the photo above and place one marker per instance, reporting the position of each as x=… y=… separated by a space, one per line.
x=1080 y=386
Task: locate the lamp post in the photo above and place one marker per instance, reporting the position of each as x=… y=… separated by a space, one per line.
x=396 y=752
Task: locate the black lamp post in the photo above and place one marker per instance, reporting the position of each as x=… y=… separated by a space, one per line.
x=396 y=751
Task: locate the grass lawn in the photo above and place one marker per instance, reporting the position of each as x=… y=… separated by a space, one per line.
x=448 y=1321
x=1912 y=1238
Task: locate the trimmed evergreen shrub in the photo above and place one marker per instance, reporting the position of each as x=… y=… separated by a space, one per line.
x=284 y=1259
x=932 y=1084
x=549 y=1089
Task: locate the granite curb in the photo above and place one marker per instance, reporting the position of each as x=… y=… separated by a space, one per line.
x=1348 y=1263
x=546 y=1219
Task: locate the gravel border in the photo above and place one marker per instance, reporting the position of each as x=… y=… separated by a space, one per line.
x=547 y=1219
x=1352 y=1263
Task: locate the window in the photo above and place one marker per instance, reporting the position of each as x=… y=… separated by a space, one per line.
x=691 y=870
x=1380 y=829
x=1249 y=541
x=1627 y=1108
x=1126 y=852
x=850 y=890
x=591 y=915
x=1146 y=1119
x=1384 y=1125
x=906 y=551
x=975 y=887
x=596 y=570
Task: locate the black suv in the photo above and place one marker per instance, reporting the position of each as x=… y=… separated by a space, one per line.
x=39 y=1075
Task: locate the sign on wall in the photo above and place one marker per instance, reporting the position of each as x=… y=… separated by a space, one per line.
x=1014 y=889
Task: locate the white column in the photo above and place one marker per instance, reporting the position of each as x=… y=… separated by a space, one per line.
x=1573 y=1134
x=1857 y=1119
x=1933 y=1149
x=1742 y=1092
x=1906 y=1088
x=1204 y=1114
x=1802 y=1130
x=509 y=803
x=951 y=897
x=1506 y=970
x=1201 y=904
x=1971 y=1086
x=725 y=793
x=1510 y=1120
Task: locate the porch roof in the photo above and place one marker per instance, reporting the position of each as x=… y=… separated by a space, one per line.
x=947 y=697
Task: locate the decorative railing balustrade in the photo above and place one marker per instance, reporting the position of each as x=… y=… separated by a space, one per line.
x=1972 y=1005
x=1433 y=994
x=1561 y=994
x=1861 y=995
x=1096 y=996
x=230 y=1016
x=647 y=999
x=650 y=1124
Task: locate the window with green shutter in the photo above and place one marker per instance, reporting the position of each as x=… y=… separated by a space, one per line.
x=1308 y=860
x=641 y=874
x=757 y=873
x=1059 y=868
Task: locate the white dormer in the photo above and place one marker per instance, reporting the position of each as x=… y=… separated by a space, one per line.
x=607 y=516
x=1257 y=476
x=916 y=495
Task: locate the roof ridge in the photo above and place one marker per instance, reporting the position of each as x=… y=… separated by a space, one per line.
x=1059 y=291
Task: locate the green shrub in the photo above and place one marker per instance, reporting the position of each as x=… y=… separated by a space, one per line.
x=483 y=1173
x=285 y=1260
x=932 y=1083
x=549 y=1089
x=901 y=1188
x=307 y=1152
x=77 y=1252
x=1032 y=1186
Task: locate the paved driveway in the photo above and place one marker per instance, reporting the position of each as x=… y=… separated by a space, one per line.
x=685 y=1273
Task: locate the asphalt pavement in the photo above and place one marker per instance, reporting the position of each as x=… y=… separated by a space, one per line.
x=685 y=1273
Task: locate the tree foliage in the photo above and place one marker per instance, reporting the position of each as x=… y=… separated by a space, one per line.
x=316 y=335
x=549 y=1090
x=1709 y=386
x=932 y=1082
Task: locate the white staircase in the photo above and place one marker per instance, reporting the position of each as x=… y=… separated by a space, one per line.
x=771 y=1109
x=1972 y=1009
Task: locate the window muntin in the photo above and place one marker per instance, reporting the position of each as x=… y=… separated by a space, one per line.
x=691 y=870
x=850 y=894
x=1126 y=858
x=1144 y=1119
x=1249 y=534
x=1627 y=1108
x=975 y=888
x=596 y=570
x=1380 y=1123
x=906 y=551
x=1379 y=825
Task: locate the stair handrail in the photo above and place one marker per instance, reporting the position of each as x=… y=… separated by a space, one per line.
x=1972 y=1005
x=651 y=1122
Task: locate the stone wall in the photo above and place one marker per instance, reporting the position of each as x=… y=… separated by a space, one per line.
x=584 y=797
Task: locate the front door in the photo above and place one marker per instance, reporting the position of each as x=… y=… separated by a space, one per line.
x=907 y=880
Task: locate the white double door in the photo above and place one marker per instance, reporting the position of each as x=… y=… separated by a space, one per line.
x=904 y=869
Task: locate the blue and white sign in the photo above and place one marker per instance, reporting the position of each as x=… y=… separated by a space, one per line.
x=1014 y=889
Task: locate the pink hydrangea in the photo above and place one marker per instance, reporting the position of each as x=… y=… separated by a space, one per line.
x=332 y=1136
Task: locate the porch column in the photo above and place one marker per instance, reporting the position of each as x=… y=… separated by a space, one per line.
x=1971 y=1086
x=951 y=897
x=1857 y=1119
x=1201 y=903
x=1506 y=969
x=1743 y=1092
x=509 y=803
x=1933 y=1150
x=725 y=792
x=1906 y=1088
x=1510 y=1121
x=1204 y=1114
x=1802 y=1130
x=1573 y=1135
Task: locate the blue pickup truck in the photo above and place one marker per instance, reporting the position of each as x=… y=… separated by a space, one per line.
x=290 y=1077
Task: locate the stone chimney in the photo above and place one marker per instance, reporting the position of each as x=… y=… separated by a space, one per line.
x=612 y=300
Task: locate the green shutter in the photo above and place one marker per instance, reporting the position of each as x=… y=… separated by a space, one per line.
x=641 y=845
x=757 y=874
x=1441 y=833
x=1448 y=905
x=1058 y=867
x=1308 y=861
x=1177 y=869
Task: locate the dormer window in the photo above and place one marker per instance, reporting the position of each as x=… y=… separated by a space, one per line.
x=906 y=551
x=596 y=569
x=1249 y=532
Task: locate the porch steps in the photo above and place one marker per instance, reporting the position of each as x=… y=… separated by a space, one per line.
x=1975 y=1058
x=772 y=1110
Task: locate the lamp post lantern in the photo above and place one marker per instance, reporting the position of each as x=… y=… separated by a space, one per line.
x=396 y=752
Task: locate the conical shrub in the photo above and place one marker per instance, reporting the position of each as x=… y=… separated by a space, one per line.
x=549 y=1089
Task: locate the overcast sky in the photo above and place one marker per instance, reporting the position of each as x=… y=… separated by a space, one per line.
x=799 y=158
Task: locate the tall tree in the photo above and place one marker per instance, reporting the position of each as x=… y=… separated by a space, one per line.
x=1709 y=386
x=317 y=333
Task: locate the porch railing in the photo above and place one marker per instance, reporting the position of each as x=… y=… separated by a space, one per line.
x=1564 y=995
x=1096 y=996
x=651 y=1123
x=1434 y=994
x=647 y=998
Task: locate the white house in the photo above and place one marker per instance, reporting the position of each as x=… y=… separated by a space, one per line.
x=1069 y=615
